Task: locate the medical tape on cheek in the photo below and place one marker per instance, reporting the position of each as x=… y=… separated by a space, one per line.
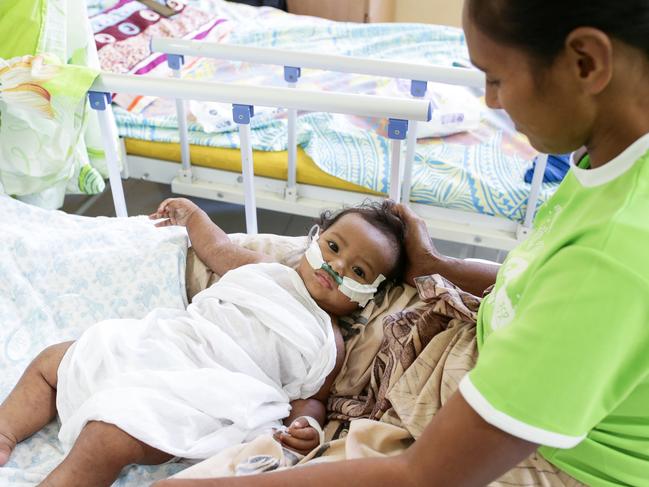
x=360 y=293
x=355 y=291
x=313 y=253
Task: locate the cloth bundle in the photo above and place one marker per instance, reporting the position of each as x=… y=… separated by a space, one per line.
x=194 y=382
x=50 y=139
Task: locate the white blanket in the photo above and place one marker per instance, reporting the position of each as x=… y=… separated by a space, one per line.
x=193 y=382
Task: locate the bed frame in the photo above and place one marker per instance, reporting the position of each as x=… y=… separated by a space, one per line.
x=289 y=196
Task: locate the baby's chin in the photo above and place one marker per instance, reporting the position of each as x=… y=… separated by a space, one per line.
x=342 y=308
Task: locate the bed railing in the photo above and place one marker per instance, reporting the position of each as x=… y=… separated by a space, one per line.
x=293 y=61
x=243 y=100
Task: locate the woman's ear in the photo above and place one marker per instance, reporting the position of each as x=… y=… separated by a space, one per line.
x=590 y=56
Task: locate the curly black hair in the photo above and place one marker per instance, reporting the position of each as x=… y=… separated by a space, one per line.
x=380 y=215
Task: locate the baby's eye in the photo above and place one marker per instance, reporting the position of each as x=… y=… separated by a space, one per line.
x=358 y=271
x=493 y=82
x=333 y=246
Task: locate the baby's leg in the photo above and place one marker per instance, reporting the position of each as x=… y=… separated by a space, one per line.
x=32 y=403
x=98 y=456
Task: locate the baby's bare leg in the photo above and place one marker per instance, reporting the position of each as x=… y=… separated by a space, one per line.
x=32 y=403
x=98 y=456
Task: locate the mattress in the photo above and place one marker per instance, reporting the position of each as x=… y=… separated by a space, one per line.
x=267 y=164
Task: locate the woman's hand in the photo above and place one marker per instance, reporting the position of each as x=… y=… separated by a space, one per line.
x=300 y=436
x=422 y=254
x=177 y=211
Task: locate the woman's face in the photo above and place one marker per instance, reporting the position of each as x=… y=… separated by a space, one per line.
x=543 y=102
x=354 y=248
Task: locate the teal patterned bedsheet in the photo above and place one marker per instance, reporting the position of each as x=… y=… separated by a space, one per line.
x=479 y=171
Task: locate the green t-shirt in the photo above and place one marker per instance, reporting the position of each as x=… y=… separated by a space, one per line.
x=564 y=336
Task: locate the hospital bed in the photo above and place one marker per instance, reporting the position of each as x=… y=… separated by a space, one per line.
x=63 y=273
x=471 y=193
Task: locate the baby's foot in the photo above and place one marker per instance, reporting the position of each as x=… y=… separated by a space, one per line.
x=6 y=447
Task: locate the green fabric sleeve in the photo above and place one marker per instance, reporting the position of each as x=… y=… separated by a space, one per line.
x=21 y=23
x=578 y=346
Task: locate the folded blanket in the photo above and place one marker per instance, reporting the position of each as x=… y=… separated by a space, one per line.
x=428 y=325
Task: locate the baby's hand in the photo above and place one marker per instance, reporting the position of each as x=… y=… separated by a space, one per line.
x=300 y=436
x=177 y=211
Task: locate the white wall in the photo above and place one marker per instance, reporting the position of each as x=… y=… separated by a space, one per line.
x=448 y=12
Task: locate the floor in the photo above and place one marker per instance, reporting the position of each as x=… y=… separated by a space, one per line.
x=143 y=197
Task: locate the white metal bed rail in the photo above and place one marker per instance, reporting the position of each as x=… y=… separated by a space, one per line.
x=293 y=61
x=331 y=62
x=243 y=99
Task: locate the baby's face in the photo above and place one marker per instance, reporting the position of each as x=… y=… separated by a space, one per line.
x=354 y=248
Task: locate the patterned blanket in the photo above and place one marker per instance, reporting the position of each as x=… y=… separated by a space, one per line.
x=443 y=312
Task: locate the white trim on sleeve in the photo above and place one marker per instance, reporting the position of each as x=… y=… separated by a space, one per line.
x=511 y=425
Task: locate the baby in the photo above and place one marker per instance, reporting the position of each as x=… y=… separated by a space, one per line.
x=260 y=346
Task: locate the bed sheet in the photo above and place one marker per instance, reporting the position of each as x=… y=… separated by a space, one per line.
x=61 y=273
x=480 y=170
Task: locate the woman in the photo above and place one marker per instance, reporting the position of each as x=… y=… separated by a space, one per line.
x=563 y=338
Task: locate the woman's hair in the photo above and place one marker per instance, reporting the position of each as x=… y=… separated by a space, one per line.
x=540 y=27
x=380 y=215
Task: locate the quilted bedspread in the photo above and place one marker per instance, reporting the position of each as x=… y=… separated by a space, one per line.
x=61 y=273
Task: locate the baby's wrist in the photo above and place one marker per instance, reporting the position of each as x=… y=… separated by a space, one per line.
x=313 y=423
x=195 y=216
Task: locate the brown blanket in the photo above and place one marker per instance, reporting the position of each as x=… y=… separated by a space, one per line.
x=407 y=331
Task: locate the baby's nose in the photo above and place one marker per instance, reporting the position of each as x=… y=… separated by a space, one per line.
x=338 y=265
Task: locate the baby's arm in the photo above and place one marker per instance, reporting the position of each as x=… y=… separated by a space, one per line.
x=301 y=436
x=211 y=244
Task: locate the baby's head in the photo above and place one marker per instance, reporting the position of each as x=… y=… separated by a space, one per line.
x=361 y=248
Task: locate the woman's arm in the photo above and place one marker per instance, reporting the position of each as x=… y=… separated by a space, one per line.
x=211 y=244
x=424 y=259
x=457 y=448
x=473 y=277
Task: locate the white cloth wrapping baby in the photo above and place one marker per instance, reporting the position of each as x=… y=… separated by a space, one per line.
x=193 y=382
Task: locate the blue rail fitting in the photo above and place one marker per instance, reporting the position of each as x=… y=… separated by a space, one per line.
x=242 y=113
x=418 y=88
x=99 y=100
x=175 y=61
x=292 y=74
x=397 y=128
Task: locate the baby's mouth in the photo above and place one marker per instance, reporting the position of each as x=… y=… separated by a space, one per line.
x=324 y=279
